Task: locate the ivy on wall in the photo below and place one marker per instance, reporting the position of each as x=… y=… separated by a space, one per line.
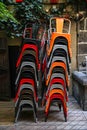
x=30 y=11
x=26 y=12
x=6 y=17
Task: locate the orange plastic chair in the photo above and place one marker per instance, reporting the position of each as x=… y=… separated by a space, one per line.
x=60 y=98
x=59 y=26
x=54 y=64
x=59 y=94
x=58 y=81
x=51 y=93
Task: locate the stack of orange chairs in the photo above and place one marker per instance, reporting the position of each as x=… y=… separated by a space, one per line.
x=58 y=64
x=28 y=65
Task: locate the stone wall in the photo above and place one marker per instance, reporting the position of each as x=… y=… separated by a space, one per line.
x=74 y=52
x=82 y=50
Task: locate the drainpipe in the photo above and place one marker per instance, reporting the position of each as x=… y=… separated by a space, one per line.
x=77 y=11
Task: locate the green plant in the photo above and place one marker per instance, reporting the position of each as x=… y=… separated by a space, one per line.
x=29 y=11
x=26 y=12
x=6 y=17
x=5 y=14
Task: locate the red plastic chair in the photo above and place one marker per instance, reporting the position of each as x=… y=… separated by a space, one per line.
x=27 y=46
x=58 y=81
x=22 y=81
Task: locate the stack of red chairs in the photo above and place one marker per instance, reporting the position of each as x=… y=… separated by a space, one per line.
x=28 y=65
x=58 y=65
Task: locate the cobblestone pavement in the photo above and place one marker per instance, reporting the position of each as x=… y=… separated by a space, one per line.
x=77 y=120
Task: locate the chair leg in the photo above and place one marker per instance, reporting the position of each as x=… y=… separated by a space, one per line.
x=17 y=115
x=65 y=114
x=16 y=110
x=59 y=107
x=46 y=116
x=35 y=113
x=43 y=102
x=47 y=113
x=65 y=117
x=35 y=117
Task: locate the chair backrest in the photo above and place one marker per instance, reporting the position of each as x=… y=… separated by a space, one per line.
x=53 y=65
x=60 y=25
x=27 y=46
x=28 y=66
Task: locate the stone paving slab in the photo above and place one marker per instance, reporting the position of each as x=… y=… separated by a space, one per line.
x=77 y=120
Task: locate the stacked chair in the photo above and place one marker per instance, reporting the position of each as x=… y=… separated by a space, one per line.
x=43 y=67
x=28 y=66
x=58 y=65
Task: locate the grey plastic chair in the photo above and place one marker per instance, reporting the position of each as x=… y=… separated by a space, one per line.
x=26 y=102
x=23 y=86
x=50 y=70
x=59 y=47
x=24 y=63
x=54 y=86
x=59 y=75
